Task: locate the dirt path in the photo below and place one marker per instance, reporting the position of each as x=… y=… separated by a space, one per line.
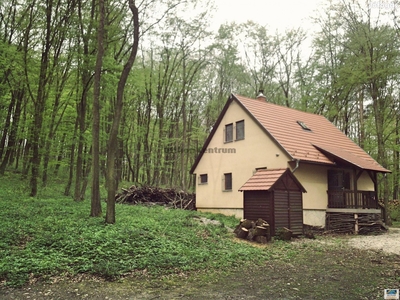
x=389 y=242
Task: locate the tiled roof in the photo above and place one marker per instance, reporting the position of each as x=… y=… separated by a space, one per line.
x=322 y=143
x=263 y=180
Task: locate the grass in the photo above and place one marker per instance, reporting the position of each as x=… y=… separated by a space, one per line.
x=52 y=235
x=395 y=224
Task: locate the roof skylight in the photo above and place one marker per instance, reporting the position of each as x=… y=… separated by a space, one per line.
x=303 y=125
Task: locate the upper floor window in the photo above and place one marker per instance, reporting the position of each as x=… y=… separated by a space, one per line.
x=228 y=133
x=240 y=130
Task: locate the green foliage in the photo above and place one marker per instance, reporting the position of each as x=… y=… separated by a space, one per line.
x=394 y=210
x=42 y=237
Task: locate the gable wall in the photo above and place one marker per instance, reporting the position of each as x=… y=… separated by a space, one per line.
x=256 y=150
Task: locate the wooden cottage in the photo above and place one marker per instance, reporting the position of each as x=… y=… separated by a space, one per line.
x=249 y=135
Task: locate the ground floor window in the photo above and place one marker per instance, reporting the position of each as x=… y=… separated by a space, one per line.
x=228 y=181
x=203 y=178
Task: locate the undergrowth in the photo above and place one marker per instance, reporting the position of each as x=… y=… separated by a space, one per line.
x=51 y=235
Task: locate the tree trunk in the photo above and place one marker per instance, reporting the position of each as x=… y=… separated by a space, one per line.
x=6 y=126
x=112 y=145
x=19 y=95
x=95 y=203
x=71 y=163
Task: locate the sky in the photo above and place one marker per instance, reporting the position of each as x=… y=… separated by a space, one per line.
x=276 y=14
x=286 y=14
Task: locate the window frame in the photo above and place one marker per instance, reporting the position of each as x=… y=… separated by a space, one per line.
x=236 y=131
x=228 y=182
x=303 y=125
x=226 y=131
x=201 y=177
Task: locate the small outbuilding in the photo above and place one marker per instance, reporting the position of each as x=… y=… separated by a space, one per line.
x=275 y=196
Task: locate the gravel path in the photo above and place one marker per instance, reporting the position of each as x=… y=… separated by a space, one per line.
x=388 y=242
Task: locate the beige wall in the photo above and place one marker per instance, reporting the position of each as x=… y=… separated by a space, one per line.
x=314 y=217
x=314 y=180
x=256 y=150
x=365 y=183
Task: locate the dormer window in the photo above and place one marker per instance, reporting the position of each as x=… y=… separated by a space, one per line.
x=303 y=125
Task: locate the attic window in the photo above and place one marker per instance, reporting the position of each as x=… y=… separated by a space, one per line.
x=303 y=125
x=228 y=133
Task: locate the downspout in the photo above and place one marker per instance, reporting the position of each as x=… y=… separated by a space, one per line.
x=297 y=165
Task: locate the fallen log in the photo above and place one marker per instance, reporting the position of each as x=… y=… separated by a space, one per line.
x=260 y=231
x=242 y=233
x=248 y=224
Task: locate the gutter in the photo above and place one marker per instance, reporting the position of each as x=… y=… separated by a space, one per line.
x=297 y=165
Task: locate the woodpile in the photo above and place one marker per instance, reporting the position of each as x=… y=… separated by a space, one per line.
x=340 y=222
x=354 y=223
x=370 y=224
x=258 y=231
x=154 y=195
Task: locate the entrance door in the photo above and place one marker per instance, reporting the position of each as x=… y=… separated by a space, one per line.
x=336 y=189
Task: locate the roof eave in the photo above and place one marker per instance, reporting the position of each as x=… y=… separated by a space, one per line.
x=379 y=169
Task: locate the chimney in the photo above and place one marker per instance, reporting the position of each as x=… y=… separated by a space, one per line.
x=261 y=95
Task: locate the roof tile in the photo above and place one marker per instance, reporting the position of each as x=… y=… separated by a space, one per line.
x=262 y=180
x=317 y=145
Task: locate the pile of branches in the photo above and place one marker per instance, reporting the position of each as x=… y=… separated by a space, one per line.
x=157 y=196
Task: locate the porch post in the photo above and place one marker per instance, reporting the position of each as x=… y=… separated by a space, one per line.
x=355 y=179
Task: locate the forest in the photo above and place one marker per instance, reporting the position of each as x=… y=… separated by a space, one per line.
x=103 y=91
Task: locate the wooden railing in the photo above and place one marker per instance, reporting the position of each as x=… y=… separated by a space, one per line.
x=348 y=199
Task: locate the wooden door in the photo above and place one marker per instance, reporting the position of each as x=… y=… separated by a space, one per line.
x=257 y=204
x=336 y=188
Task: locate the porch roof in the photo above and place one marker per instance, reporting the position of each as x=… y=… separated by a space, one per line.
x=360 y=162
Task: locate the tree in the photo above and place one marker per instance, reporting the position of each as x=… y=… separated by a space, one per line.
x=95 y=203
x=112 y=141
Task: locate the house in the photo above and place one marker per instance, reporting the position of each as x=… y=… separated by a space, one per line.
x=254 y=143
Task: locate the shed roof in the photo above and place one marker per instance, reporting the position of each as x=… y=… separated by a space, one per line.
x=265 y=180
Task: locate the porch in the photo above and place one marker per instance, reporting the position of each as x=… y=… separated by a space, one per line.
x=349 y=199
